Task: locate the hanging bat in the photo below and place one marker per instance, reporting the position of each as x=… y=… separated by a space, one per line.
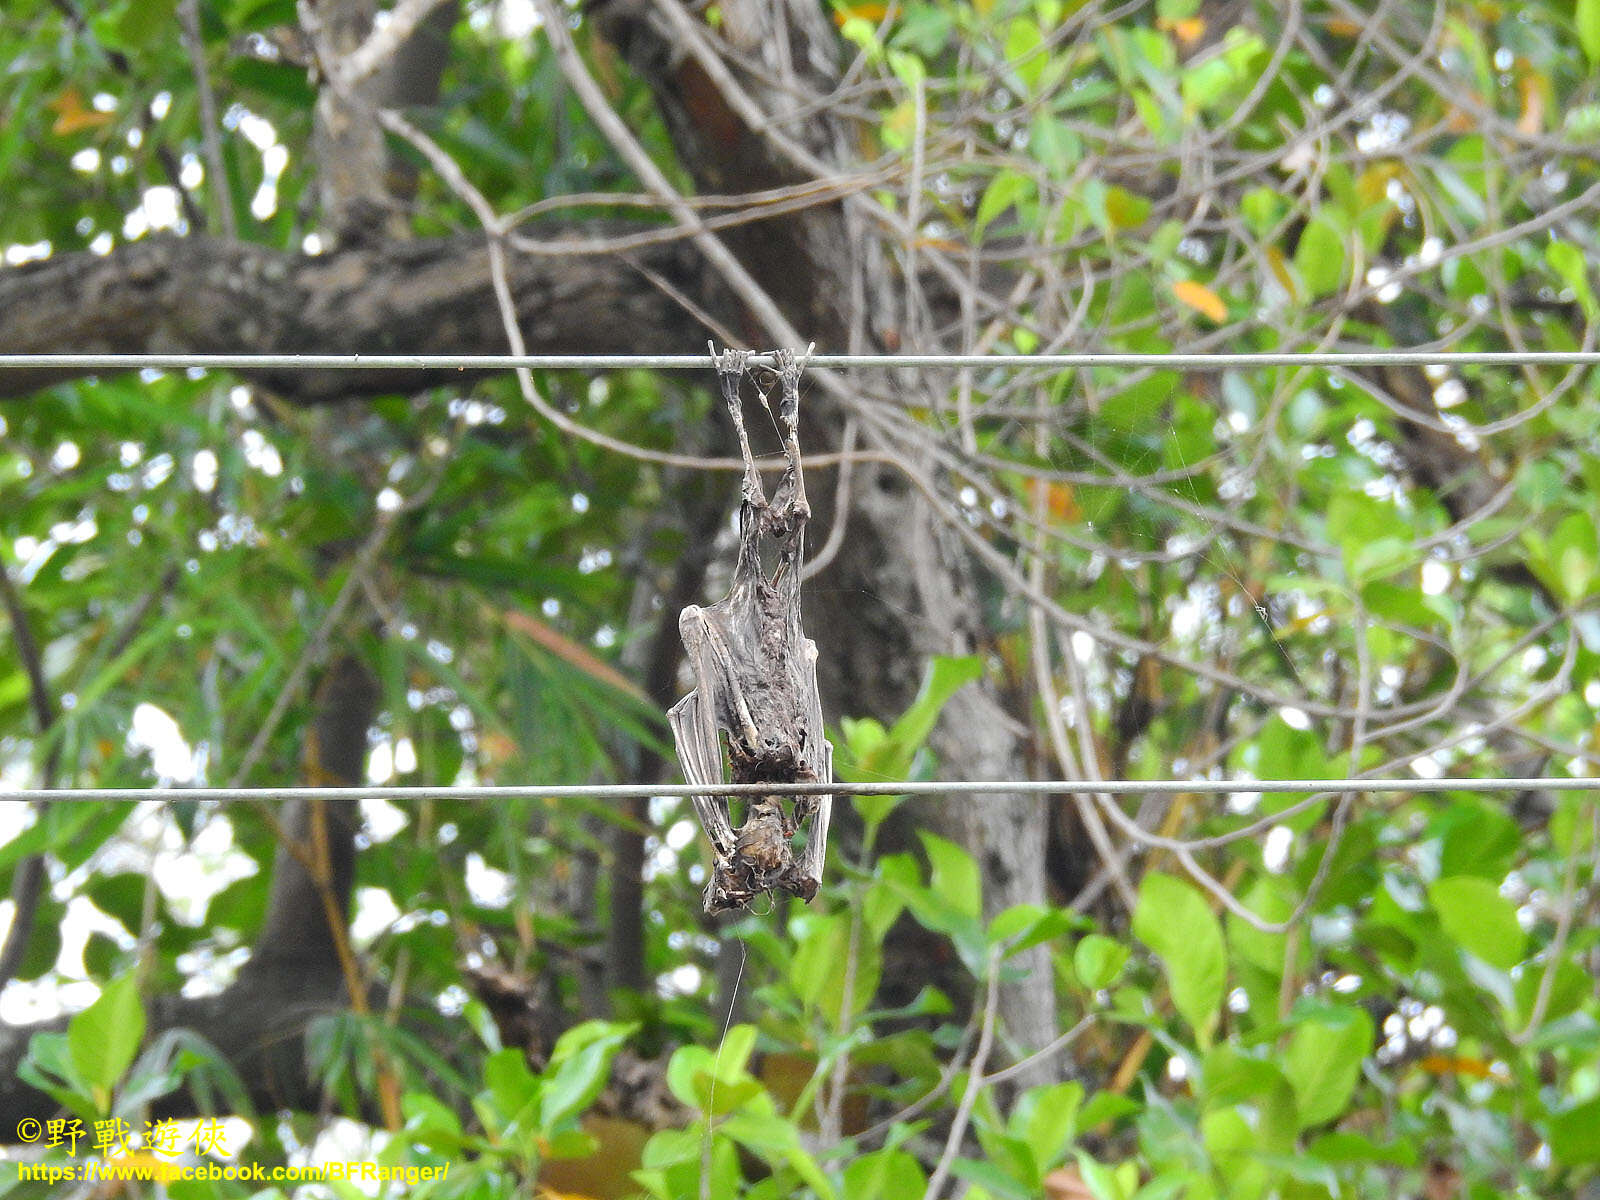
x=756 y=679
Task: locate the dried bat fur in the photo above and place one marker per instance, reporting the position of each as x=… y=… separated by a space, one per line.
x=756 y=679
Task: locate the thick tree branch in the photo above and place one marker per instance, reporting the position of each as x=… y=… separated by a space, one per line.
x=203 y=295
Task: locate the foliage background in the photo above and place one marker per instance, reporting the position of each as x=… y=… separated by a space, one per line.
x=1269 y=573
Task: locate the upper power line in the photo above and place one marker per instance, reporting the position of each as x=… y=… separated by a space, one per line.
x=891 y=787
x=684 y=362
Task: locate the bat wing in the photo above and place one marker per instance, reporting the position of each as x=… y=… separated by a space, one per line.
x=817 y=836
x=694 y=729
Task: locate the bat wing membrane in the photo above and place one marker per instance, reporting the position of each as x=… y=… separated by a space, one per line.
x=694 y=730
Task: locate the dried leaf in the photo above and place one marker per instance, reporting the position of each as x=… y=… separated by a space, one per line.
x=1188 y=30
x=1064 y=1183
x=1201 y=298
x=1443 y=1181
x=1059 y=500
x=73 y=116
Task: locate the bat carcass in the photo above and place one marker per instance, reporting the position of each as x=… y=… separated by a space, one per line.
x=754 y=712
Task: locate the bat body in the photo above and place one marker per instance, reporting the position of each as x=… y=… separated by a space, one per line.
x=754 y=713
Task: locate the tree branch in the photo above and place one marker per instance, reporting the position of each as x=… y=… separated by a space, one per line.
x=205 y=295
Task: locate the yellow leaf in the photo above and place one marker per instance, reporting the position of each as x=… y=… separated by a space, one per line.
x=73 y=116
x=1201 y=298
x=899 y=125
x=1373 y=183
x=1473 y=1068
x=1059 y=501
x=1300 y=624
x=1280 y=270
x=497 y=748
x=1125 y=209
x=1188 y=30
x=864 y=12
x=1533 y=88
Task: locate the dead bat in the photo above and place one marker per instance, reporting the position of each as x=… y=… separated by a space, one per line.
x=756 y=679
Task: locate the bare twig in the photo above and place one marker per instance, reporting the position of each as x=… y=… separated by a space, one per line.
x=210 y=139
x=975 y=1080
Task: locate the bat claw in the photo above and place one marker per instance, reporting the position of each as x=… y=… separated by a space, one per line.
x=730 y=363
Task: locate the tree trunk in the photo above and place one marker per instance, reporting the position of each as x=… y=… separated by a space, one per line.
x=900 y=590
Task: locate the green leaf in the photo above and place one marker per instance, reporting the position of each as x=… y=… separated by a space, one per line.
x=1024 y=42
x=1097 y=961
x=696 y=1079
x=1023 y=926
x=60 y=827
x=874 y=752
x=578 y=1073
x=1108 y=1183
x=1569 y=987
x=1262 y=208
x=1320 y=258
x=734 y=1054
x=954 y=874
x=48 y=1067
x=779 y=1141
x=511 y=1086
x=908 y=68
x=1476 y=838
x=1479 y=919
x=821 y=961
x=1055 y=145
x=1048 y=1119
x=944 y=677
x=1567 y=261
x=882 y=904
x=1343 y=1146
x=104 y=1037
x=884 y=1175
x=1575 y=1135
x=1174 y=920
x=1125 y=209
x=1587 y=18
x=1006 y=190
x=1571 y=825
x=135 y=23
x=1568 y=558
x=1323 y=1061
x=120 y=896
x=1208 y=81
x=1255 y=946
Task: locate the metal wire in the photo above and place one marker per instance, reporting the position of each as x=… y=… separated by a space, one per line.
x=986 y=787
x=682 y=362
